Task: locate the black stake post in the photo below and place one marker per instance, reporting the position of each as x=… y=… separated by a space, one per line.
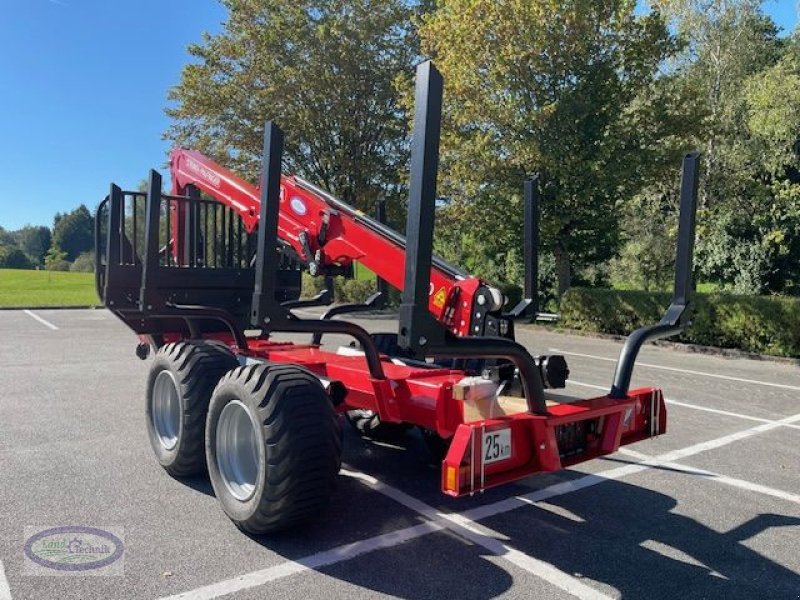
x=419 y=331
x=191 y=225
x=676 y=317
x=528 y=307
x=532 y=244
x=266 y=270
x=418 y=328
x=266 y=312
x=147 y=293
x=113 y=255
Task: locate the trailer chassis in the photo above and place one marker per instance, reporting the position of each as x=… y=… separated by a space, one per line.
x=243 y=306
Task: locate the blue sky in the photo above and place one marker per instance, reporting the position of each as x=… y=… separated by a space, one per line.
x=83 y=86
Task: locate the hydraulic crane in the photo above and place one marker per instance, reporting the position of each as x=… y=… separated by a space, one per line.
x=327 y=235
x=210 y=282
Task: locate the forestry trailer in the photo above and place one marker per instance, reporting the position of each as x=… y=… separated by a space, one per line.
x=206 y=281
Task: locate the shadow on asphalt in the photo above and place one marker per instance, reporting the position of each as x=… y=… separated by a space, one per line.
x=619 y=534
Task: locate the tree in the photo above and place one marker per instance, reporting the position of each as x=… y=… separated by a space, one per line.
x=34 y=241
x=549 y=86
x=324 y=70
x=84 y=263
x=726 y=41
x=12 y=257
x=56 y=260
x=747 y=82
x=6 y=238
x=73 y=233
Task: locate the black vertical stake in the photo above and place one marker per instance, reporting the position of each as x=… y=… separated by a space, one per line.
x=190 y=241
x=151 y=239
x=231 y=216
x=528 y=307
x=115 y=206
x=684 y=257
x=532 y=244
x=135 y=240
x=215 y=241
x=677 y=314
x=417 y=327
x=168 y=232
x=205 y=234
x=266 y=270
x=381 y=285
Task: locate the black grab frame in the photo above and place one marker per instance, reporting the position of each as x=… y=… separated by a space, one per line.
x=676 y=317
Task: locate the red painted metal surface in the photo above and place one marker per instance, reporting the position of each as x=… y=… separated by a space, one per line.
x=535 y=439
x=423 y=396
x=419 y=395
x=346 y=239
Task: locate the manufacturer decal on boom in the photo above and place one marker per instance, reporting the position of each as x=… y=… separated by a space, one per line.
x=203 y=172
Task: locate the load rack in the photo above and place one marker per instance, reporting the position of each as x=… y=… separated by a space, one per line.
x=207 y=283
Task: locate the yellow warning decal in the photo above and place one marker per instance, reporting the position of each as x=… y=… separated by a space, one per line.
x=439 y=298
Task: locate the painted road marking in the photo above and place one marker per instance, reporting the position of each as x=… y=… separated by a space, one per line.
x=485 y=537
x=314 y=561
x=724 y=479
x=388 y=540
x=566 y=487
x=44 y=322
x=728 y=413
x=716 y=411
x=689 y=371
x=5 y=590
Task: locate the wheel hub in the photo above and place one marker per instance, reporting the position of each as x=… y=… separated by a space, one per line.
x=165 y=409
x=237 y=450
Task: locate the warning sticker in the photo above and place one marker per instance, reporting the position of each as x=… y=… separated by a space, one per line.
x=439 y=298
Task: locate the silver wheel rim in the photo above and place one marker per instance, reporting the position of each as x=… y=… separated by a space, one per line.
x=237 y=450
x=165 y=410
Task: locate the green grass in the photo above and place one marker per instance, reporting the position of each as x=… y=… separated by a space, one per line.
x=31 y=289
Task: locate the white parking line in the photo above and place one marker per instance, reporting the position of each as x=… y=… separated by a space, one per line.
x=725 y=440
x=696 y=407
x=485 y=537
x=5 y=590
x=724 y=479
x=566 y=487
x=689 y=371
x=388 y=540
x=314 y=561
x=729 y=414
x=44 y=322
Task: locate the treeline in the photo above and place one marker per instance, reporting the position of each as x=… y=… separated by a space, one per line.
x=68 y=246
x=599 y=100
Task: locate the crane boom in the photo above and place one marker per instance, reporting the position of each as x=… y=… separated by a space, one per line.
x=328 y=234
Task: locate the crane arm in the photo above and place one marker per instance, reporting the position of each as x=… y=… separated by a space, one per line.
x=327 y=233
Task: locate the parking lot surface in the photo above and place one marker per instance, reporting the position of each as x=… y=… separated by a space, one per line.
x=709 y=510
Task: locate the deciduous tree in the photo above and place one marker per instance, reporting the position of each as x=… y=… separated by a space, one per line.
x=548 y=86
x=73 y=232
x=34 y=241
x=325 y=70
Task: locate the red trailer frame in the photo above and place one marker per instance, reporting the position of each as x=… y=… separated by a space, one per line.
x=152 y=296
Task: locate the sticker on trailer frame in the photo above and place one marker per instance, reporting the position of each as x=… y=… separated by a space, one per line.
x=298 y=206
x=496 y=446
x=439 y=298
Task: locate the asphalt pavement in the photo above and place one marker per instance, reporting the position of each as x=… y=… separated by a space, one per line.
x=711 y=509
